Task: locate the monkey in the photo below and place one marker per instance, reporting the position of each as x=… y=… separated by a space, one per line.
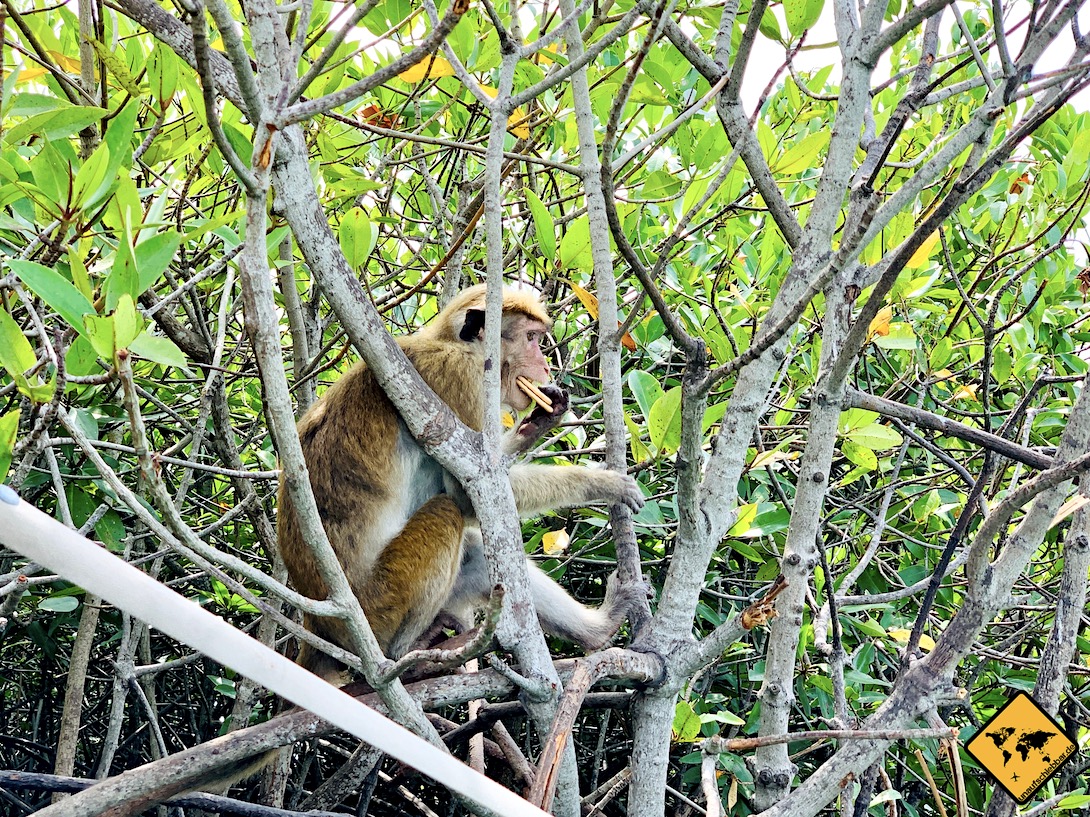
x=401 y=526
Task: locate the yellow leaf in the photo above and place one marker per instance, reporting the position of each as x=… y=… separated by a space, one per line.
x=507 y=420
x=587 y=299
x=29 y=73
x=590 y=303
x=901 y=635
x=769 y=457
x=555 y=542
x=880 y=324
x=69 y=64
x=964 y=393
x=429 y=67
x=921 y=256
x=546 y=54
x=517 y=122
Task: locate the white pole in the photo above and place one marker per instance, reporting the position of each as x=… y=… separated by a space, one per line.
x=45 y=540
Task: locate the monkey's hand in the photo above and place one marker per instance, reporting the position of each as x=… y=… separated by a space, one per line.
x=618 y=489
x=541 y=420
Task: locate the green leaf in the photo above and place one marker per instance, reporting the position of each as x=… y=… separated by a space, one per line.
x=59 y=604
x=116 y=65
x=153 y=255
x=664 y=422
x=49 y=285
x=111 y=531
x=712 y=415
x=159 y=350
x=123 y=278
x=869 y=626
x=686 y=726
x=801 y=14
x=99 y=329
x=162 y=74
x=876 y=437
x=1001 y=365
x=746 y=515
x=803 y=155
x=91 y=176
x=78 y=268
x=1074 y=800
x=860 y=455
x=128 y=323
x=357 y=237
x=52 y=125
x=770 y=26
x=640 y=452
x=81 y=359
x=855 y=418
x=646 y=389
x=51 y=173
x=575 y=246
x=16 y=353
x=900 y=336
x=37 y=391
x=940 y=354
x=9 y=427
x=768 y=522
x=543 y=225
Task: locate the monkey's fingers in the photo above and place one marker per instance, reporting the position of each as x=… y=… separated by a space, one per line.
x=530 y=389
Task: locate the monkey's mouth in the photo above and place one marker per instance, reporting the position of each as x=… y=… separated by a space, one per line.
x=530 y=389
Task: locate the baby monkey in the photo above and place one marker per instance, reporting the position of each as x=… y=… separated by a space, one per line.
x=398 y=521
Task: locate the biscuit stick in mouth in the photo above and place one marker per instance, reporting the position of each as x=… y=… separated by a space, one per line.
x=530 y=389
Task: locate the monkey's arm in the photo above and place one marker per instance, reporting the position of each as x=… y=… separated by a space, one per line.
x=540 y=488
x=589 y=627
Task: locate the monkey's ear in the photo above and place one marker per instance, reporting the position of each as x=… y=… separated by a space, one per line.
x=473 y=328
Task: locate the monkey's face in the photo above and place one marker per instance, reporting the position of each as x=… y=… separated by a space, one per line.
x=522 y=357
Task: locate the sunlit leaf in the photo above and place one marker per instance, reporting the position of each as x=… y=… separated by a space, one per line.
x=16 y=353
x=9 y=427
x=801 y=14
x=901 y=636
x=543 y=225
x=357 y=237
x=431 y=67
x=880 y=324
x=859 y=455
x=899 y=336
x=803 y=155
x=159 y=349
x=745 y=517
x=664 y=422
x=686 y=726
x=555 y=542
x=57 y=124
x=922 y=255
x=876 y=437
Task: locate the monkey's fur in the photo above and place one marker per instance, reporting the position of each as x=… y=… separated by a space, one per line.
x=397 y=520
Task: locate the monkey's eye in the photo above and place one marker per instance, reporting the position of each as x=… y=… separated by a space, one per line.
x=531 y=337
